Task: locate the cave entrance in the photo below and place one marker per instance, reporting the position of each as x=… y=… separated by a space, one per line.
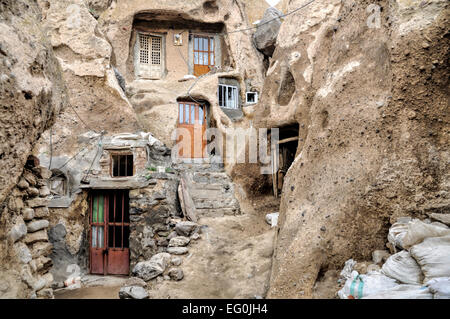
x=288 y=143
x=109 y=221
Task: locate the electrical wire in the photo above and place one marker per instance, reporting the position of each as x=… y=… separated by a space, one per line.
x=261 y=24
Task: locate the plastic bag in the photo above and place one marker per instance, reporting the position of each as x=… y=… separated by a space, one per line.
x=403 y=267
x=403 y=292
x=272 y=219
x=440 y=287
x=346 y=272
x=359 y=286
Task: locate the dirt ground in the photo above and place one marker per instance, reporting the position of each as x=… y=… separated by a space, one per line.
x=88 y=293
x=232 y=259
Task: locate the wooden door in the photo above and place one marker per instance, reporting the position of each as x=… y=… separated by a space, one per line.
x=204 y=59
x=109 y=234
x=118 y=233
x=192 y=119
x=97 y=233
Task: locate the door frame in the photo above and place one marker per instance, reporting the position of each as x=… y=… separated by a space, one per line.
x=194 y=127
x=109 y=253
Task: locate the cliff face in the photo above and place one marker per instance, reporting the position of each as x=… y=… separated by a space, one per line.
x=372 y=108
x=32 y=93
x=31 y=88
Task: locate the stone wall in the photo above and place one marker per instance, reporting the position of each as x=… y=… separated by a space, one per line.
x=151 y=211
x=24 y=245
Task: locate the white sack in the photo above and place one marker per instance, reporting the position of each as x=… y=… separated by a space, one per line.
x=359 y=286
x=403 y=292
x=404 y=268
x=406 y=233
x=440 y=287
x=433 y=257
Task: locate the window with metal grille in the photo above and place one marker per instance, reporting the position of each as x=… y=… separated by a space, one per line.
x=122 y=165
x=149 y=49
x=228 y=96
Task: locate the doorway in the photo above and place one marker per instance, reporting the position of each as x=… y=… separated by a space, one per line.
x=192 y=118
x=109 y=222
x=282 y=161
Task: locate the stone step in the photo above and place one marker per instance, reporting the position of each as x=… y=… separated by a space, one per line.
x=220 y=212
x=211 y=178
x=218 y=203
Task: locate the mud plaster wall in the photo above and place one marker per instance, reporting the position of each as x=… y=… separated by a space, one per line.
x=177 y=59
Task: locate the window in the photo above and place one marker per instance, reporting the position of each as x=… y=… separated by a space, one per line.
x=149 y=56
x=58 y=184
x=252 y=97
x=122 y=165
x=149 y=49
x=204 y=58
x=191 y=113
x=228 y=96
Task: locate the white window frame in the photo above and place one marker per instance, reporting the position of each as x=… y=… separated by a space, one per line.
x=246 y=98
x=228 y=103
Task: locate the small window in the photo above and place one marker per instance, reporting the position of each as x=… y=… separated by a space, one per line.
x=58 y=184
x=228 y=96
x=122 y=165
x=252 y=97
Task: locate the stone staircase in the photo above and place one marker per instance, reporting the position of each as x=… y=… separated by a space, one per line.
x=211 y=190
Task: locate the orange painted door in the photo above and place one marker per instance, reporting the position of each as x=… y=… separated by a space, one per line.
x=204 y=59
x=192 y=125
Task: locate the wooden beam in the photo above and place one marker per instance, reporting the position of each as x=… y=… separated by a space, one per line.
x=289 y=139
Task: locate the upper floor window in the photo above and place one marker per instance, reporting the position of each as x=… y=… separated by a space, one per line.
x=228 y=96
x=149 y=55
x=251 y=97
x=204 y=58
x=122 y=165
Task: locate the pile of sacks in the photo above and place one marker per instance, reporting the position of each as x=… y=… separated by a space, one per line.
x=420 y=270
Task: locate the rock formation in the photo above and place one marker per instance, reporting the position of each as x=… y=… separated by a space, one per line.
x=367 y=86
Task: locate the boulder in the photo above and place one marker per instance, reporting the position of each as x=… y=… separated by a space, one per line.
x=177 y=250
x=185 y=228
x=37 y=225
x=28 y=214
x=41 y=212
x=179 y=241
x=134 y=281
x=35 y=237
x=152 y=268
x=267 y=30
x=176 y=274
x=133 y=292
x=176 y=261
x=18 y=231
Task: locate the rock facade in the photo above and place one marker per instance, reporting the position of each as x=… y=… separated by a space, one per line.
x=152 y=210
x=25 y=248
x=366 y=85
